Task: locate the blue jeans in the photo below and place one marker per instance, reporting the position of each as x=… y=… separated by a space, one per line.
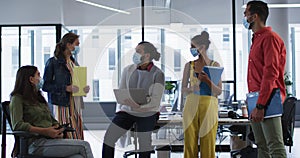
x=121 y=123
x=70 y=148
x=268 y=138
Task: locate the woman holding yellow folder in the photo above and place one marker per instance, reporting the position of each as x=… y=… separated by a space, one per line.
x=59 y=71
x=200 y=114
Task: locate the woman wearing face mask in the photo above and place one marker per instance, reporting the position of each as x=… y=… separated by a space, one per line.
x=29 y=112
x=142 y=74
x=200 y=114
x=58 y=83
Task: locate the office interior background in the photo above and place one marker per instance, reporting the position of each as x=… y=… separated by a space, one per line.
x=108 y=38
x=30 y=30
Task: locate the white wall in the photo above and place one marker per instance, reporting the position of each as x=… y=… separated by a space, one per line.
x=30 y=11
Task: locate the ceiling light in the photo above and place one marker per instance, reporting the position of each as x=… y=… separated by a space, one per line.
x=280 y=5
x=102 y=6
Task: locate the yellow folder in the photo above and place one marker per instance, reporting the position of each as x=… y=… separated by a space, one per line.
x=79 y=79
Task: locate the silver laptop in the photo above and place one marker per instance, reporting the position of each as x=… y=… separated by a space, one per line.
x=139 y=95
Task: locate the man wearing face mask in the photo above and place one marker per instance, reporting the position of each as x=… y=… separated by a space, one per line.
x=142 y=74
x=200 y=113
x=58 y=83
x=266 y=66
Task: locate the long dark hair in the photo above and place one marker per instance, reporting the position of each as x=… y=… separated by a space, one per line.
x=24 y=87
x=62 y=45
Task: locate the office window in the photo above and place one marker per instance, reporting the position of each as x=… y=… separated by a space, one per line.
x=112 y=58
x=127 y=37
x=95 y=41
x=46 y=54
x=225 y=37
x=96 y=94
x=177 y=60
x=14 y=62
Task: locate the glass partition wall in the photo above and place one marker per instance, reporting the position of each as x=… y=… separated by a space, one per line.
x=25 y=45
x=108 y=47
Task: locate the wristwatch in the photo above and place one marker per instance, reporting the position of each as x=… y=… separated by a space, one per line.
x=259 y=106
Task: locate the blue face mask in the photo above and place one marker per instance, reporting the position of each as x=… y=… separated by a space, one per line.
x=136 y=58
x=194 y=52
x=76 y=50
x=40 y=84
x=246 y=24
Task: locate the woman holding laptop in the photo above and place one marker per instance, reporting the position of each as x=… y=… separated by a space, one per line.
x=142 y=74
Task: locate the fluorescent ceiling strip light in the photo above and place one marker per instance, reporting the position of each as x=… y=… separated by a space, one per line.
x=102 y=6
x=279 y=5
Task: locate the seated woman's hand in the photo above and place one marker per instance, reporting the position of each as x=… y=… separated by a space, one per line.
x=131 y=103
x=54 y=132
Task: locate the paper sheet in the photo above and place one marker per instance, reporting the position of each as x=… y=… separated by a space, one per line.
x=79 y=79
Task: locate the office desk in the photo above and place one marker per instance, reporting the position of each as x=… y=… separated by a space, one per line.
x=177 y=120
x=165 y=146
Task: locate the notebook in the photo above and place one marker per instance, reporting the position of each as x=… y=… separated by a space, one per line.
x=138 y=95
x=79 y=79
x=214 y=73
x=274 y=109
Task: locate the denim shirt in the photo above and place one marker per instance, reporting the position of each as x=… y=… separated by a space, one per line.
x=56 y=78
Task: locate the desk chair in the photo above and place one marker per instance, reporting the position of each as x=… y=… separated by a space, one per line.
x=288 y=121
x=135 y=152
x=20 y=149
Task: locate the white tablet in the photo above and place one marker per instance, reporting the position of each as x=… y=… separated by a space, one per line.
x=138 y=95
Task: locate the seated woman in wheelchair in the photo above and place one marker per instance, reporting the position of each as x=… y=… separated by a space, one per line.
x=29 y=112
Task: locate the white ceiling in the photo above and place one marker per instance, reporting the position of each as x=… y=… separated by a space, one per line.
x=72 y=13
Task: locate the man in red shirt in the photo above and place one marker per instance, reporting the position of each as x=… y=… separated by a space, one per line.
x=266 y=66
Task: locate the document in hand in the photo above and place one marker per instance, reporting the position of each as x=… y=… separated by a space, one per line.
x=214 y=73
x=274 y=109
x=79 y=79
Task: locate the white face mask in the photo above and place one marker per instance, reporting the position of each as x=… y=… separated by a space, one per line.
x=40 y=84
x=136 y=58
x=76 y=50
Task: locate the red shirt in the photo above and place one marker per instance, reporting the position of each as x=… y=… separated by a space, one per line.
x=266 y=64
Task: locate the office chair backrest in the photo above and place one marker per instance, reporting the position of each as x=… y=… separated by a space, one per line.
x=288 y=120
x=6 y=113
x=5 y=108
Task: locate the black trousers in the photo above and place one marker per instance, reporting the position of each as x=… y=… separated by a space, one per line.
x=121 y=123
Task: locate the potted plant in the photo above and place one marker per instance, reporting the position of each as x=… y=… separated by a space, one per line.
x=169 y=89
x=287 y=83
